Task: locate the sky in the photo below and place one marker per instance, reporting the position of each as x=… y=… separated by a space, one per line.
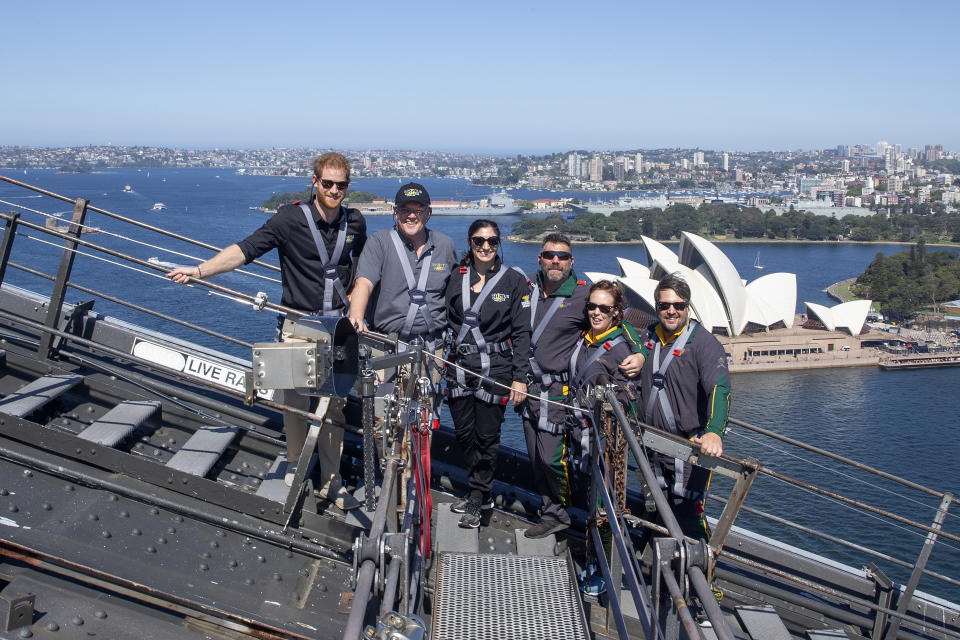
x=498 y=77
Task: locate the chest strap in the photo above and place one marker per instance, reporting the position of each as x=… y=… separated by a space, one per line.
x=416 y=288
x=658 y=397
x=331 y=280
x=471 y=320
x=576 y=377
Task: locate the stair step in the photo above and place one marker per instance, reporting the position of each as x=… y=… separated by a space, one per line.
x=202 y=450
x=762 y=623
x=827 y=634
x=273 y=487
x=36 y=394
x=120 y=422
x=535 y=546
x=450 y=536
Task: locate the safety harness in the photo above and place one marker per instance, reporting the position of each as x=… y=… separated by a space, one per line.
x=658 y=398
x=546 y=379
x=416 y=289
x=471 y=327
x=331 y=280
x=582 y=456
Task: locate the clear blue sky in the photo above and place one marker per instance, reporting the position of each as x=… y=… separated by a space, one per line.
x=492 y=76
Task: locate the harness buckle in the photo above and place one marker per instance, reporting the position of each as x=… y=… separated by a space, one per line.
x=418 y=297
x=471 y=318
x=464 y=349
x=330 y=271
x=658 y=381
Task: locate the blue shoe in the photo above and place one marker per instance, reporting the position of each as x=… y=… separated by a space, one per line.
x=595 y=585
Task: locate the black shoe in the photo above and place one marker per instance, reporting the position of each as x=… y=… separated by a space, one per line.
x=545 y=527
x=471 y=515
x=461 y=505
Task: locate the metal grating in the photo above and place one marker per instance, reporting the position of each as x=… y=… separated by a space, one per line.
x=491 y=596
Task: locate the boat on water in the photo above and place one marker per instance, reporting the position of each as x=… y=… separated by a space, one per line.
x=158 y=206
x=142 y=475
x=127 y=189
x=756 y=263
x=497 y=204
x=626 y=203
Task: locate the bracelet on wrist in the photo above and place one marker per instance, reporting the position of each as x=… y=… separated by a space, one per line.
x=199 y=273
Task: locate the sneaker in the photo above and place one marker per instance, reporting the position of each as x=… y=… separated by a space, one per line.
x=545 y=527
x=461 y=505
x=594 y=585
x=471 y=516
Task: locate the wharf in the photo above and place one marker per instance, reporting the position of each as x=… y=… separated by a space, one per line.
x=920 y=361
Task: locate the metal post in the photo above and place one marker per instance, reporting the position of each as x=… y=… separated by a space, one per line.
x=367 y=380
x=47 y=346
x=907 y=595
x=6 y=245
x=732 y=508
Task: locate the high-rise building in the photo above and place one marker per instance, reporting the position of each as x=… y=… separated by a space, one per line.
x=684 y=163
x=726 y=161
x=845 y=166
x=698 y=158
x=638 y=163
x=573 y=165
x=596 y=169
x=882 y=147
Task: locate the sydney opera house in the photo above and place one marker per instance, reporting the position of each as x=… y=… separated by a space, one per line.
x=721 y=299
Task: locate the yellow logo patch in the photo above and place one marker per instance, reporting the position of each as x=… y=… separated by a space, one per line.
x=499 y=297
x=440 y=267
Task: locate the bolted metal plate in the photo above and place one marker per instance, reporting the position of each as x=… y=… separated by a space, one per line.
x=494 y=596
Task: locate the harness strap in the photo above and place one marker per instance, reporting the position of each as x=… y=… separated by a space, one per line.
x=480 y=394
x=331 y=280
x=416 y=288
x=471 y=319
x=658 y=397
x=577 y=377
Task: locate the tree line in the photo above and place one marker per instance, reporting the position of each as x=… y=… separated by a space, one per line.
x=910 y=280
x=904 y=224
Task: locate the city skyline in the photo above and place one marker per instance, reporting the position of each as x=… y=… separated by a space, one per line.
x=500 y=79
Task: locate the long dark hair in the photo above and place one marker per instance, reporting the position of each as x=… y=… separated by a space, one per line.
x=476 y=225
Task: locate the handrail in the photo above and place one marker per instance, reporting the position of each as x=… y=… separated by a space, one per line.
x=136 y=223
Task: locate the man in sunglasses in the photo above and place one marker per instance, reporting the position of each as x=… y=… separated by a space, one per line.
x=558 y=317
x=404 y=270
x=318 y=244
x=684 y=390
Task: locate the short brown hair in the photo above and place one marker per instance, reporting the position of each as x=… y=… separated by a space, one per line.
x=333 y=160
x=614 y=289
x=556 y=238
x=675 y=283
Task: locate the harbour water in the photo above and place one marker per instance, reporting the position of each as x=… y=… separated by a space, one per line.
x=901 y=421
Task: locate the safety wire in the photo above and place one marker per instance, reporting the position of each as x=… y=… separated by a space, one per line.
x=129 y=267
x=842 y=474
x=875 y=516
x=90 y=228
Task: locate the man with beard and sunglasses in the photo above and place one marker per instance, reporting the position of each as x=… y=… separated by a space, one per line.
x=318 y=244
x=684 y=390
x=557 y=319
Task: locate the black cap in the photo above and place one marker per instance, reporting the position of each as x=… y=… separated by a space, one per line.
x=412 y=192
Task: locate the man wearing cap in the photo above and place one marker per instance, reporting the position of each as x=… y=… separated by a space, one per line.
x=405 y=271
x=318 y=244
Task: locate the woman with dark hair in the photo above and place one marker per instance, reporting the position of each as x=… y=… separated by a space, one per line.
x=490 y=320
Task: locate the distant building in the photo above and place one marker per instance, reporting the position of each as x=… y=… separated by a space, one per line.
x=573 y=165
x=638 y=163
x=596 y=169
x=725 y=161
x=698 y=159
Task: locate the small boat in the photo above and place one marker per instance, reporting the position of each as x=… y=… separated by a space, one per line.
x=159 y=206
x=127 y=189
x=756 y=263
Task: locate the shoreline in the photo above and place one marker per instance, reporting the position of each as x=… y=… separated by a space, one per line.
x=519 y=240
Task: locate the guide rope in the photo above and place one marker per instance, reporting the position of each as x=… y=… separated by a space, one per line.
x=132 y=240
x=837 y=472
x=129 y=267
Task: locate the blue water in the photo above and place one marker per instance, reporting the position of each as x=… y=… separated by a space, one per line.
x=901 y=422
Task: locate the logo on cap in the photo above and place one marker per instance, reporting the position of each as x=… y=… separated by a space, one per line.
x=410 y=193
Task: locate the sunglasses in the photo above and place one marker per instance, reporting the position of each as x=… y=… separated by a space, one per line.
x=328 y=184
x=605 y=309
x=406 y=213
x=479 y=241
x=559 y=255
x=679 y=306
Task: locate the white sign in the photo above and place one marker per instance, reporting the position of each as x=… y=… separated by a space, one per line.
x=194 y=366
